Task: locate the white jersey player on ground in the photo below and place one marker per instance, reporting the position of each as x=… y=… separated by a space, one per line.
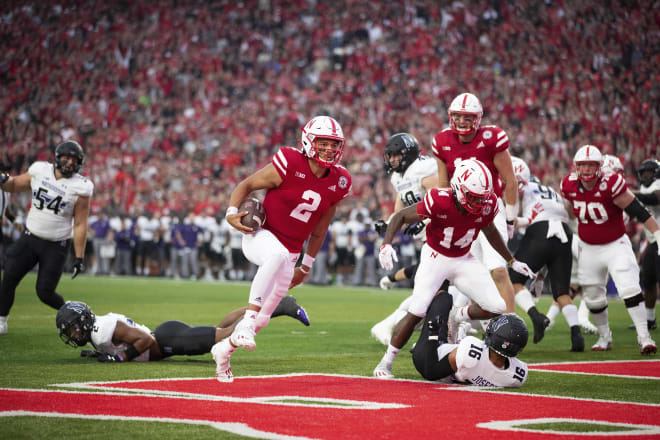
x=59 y=211
x=411 y=176
x=489 y=363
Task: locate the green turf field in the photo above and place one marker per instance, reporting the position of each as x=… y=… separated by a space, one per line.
x=337 y=342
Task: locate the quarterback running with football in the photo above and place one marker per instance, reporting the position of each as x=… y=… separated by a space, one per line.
x=303 y=187
x=466 y=139
x=60 y=209
x=598 y=201
x=457 y=215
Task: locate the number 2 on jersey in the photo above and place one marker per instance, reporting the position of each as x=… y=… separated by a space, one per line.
x=304 y=210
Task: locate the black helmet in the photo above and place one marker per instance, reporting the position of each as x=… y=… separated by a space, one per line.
x=75 y=316
x=407 y=146
x=69 y=148
x=648 y=165
x=507 y=335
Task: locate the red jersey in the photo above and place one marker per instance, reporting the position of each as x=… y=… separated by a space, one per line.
x=294 y=207
x=489 y=141
x=451 y=232
x=600 y=221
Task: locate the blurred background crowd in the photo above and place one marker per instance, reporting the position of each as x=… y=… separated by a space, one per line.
x=175 y=102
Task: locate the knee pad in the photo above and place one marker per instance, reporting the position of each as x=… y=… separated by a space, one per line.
x=595 y=296
x=633 y=300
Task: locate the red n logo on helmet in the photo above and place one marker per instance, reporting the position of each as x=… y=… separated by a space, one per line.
x=466 y=174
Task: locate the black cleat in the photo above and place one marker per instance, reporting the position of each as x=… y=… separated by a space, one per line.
x=289 y=306
x=577 y=340
x=540 y=322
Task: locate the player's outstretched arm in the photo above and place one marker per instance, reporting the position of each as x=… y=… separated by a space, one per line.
x=138 y=342
x=15 y=184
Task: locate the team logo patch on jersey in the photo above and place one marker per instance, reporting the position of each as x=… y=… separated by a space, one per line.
x=487 y=134
x=603 y=186
x=481 y=144
x=333 y=188
x=343 y=182
x=487 y=210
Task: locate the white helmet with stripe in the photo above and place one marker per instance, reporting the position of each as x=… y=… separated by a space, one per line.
x=611 y=164
x=585 y=155
x=472 y=184
x=465 y=104
x=323 y=127
x=521 y=170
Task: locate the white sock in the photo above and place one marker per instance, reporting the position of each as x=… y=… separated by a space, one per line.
x=570 y=312
x=524 y=299
x=553 y=311
x=3 y=319
x=226 y=346
x=249 y=319
x=638 y=316
x=583 y=312
x=601 y=323
x=462 y=314
x=405 y=304
x=650 y=314
x=390 y=354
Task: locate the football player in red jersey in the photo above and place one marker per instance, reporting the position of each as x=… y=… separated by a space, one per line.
x=598 y=201
x=466 y=139
x=457 y=215
x=303 y=188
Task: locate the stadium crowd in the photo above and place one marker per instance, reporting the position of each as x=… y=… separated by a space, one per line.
x=175 y=102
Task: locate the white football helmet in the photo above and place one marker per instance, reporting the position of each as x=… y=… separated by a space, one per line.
x=323 y=127
x=588 y=154
x=465 y=104
x=612 y=164
x=472 y=184
x=521 y=170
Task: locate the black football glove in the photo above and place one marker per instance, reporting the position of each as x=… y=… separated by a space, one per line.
x=380 y=226
x=414 y=229
x=89 y=354
x=4 y=177
x=78 y=267
x=105 y=357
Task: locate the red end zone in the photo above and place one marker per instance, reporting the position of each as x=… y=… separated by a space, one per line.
x=316 y=406
x=643 y=369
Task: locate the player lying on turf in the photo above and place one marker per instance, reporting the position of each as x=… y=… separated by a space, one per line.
x=116 y=338
x=491 y=362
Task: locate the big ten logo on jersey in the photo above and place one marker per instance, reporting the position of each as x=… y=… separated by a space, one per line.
x=461 y=159
x=304 y=210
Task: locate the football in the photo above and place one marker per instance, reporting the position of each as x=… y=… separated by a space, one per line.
x=256 y=214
